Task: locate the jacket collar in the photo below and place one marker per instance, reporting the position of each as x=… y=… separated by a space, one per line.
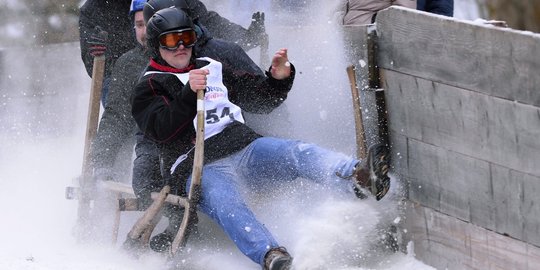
x=164 y=68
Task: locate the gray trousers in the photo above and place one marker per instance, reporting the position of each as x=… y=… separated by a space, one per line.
x=359 y=12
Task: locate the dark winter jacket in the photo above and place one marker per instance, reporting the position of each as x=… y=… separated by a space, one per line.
x=441 y=7
x=164 y=109
x=112 y=17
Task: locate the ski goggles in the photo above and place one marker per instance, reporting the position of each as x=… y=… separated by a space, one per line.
x=173 y=39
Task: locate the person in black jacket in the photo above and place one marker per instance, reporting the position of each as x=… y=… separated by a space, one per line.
x=97 y=16
x=237 y=159
x=117 y=127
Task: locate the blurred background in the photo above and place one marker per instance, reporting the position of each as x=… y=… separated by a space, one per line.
x=30 y=22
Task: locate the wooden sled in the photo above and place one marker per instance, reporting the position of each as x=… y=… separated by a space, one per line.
x=139 y=236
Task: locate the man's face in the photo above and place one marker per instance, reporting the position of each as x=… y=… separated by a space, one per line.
x=178 y=58
x=140 y=28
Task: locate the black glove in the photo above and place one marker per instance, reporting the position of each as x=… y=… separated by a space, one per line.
x=256 y=31
x=97 y=42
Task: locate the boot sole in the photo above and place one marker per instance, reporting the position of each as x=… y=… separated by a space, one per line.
x=378 y=164
x=284 y=264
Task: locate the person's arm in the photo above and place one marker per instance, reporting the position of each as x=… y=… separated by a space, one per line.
x=161 y=115
x=86 y=29
x=261 y=93
x=222 y=28
x=117 y=125
x=231 y=55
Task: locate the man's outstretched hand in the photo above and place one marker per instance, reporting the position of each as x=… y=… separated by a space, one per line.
x=281 y=68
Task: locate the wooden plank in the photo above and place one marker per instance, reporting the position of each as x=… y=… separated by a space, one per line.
x=505 y=252
x=423 y=175
x=435 y=241
x=127 y=189
x=484 y=127
x=399 y=155
x=507 y=194
x=488 y=195
x=533 y=257
x=530 y=209
x=455 y=138
x=449 y=243
x=453 y=179
x=495 y=61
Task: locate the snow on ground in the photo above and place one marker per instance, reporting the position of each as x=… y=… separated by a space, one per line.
x=322 y=230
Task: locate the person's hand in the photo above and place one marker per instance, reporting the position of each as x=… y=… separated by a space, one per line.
x=197 y=79
x=256 y=31
x=281 y=68
x=97 y=42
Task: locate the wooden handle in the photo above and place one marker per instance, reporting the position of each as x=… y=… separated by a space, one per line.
x=199 y=142
x=85 y=181
x=190 y=211
x=98 y=73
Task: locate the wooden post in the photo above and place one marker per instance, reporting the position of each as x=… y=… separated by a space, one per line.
x=361 y=149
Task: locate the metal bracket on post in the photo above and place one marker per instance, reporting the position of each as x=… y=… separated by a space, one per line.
x=374 y=83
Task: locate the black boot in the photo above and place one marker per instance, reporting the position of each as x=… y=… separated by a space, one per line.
x=163 y=241
x=277 y=259
x=373 y=173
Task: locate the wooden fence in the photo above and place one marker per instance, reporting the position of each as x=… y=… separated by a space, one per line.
x=464 y=120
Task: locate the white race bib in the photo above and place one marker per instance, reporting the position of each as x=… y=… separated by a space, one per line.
x=219 y=111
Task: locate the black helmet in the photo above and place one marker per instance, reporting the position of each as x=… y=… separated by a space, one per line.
x=165 y=20
x=153 y=6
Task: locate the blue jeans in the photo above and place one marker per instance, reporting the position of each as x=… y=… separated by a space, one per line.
x=255 y=168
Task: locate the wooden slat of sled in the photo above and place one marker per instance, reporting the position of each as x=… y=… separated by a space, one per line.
x=140 y=233
x=126 y=189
